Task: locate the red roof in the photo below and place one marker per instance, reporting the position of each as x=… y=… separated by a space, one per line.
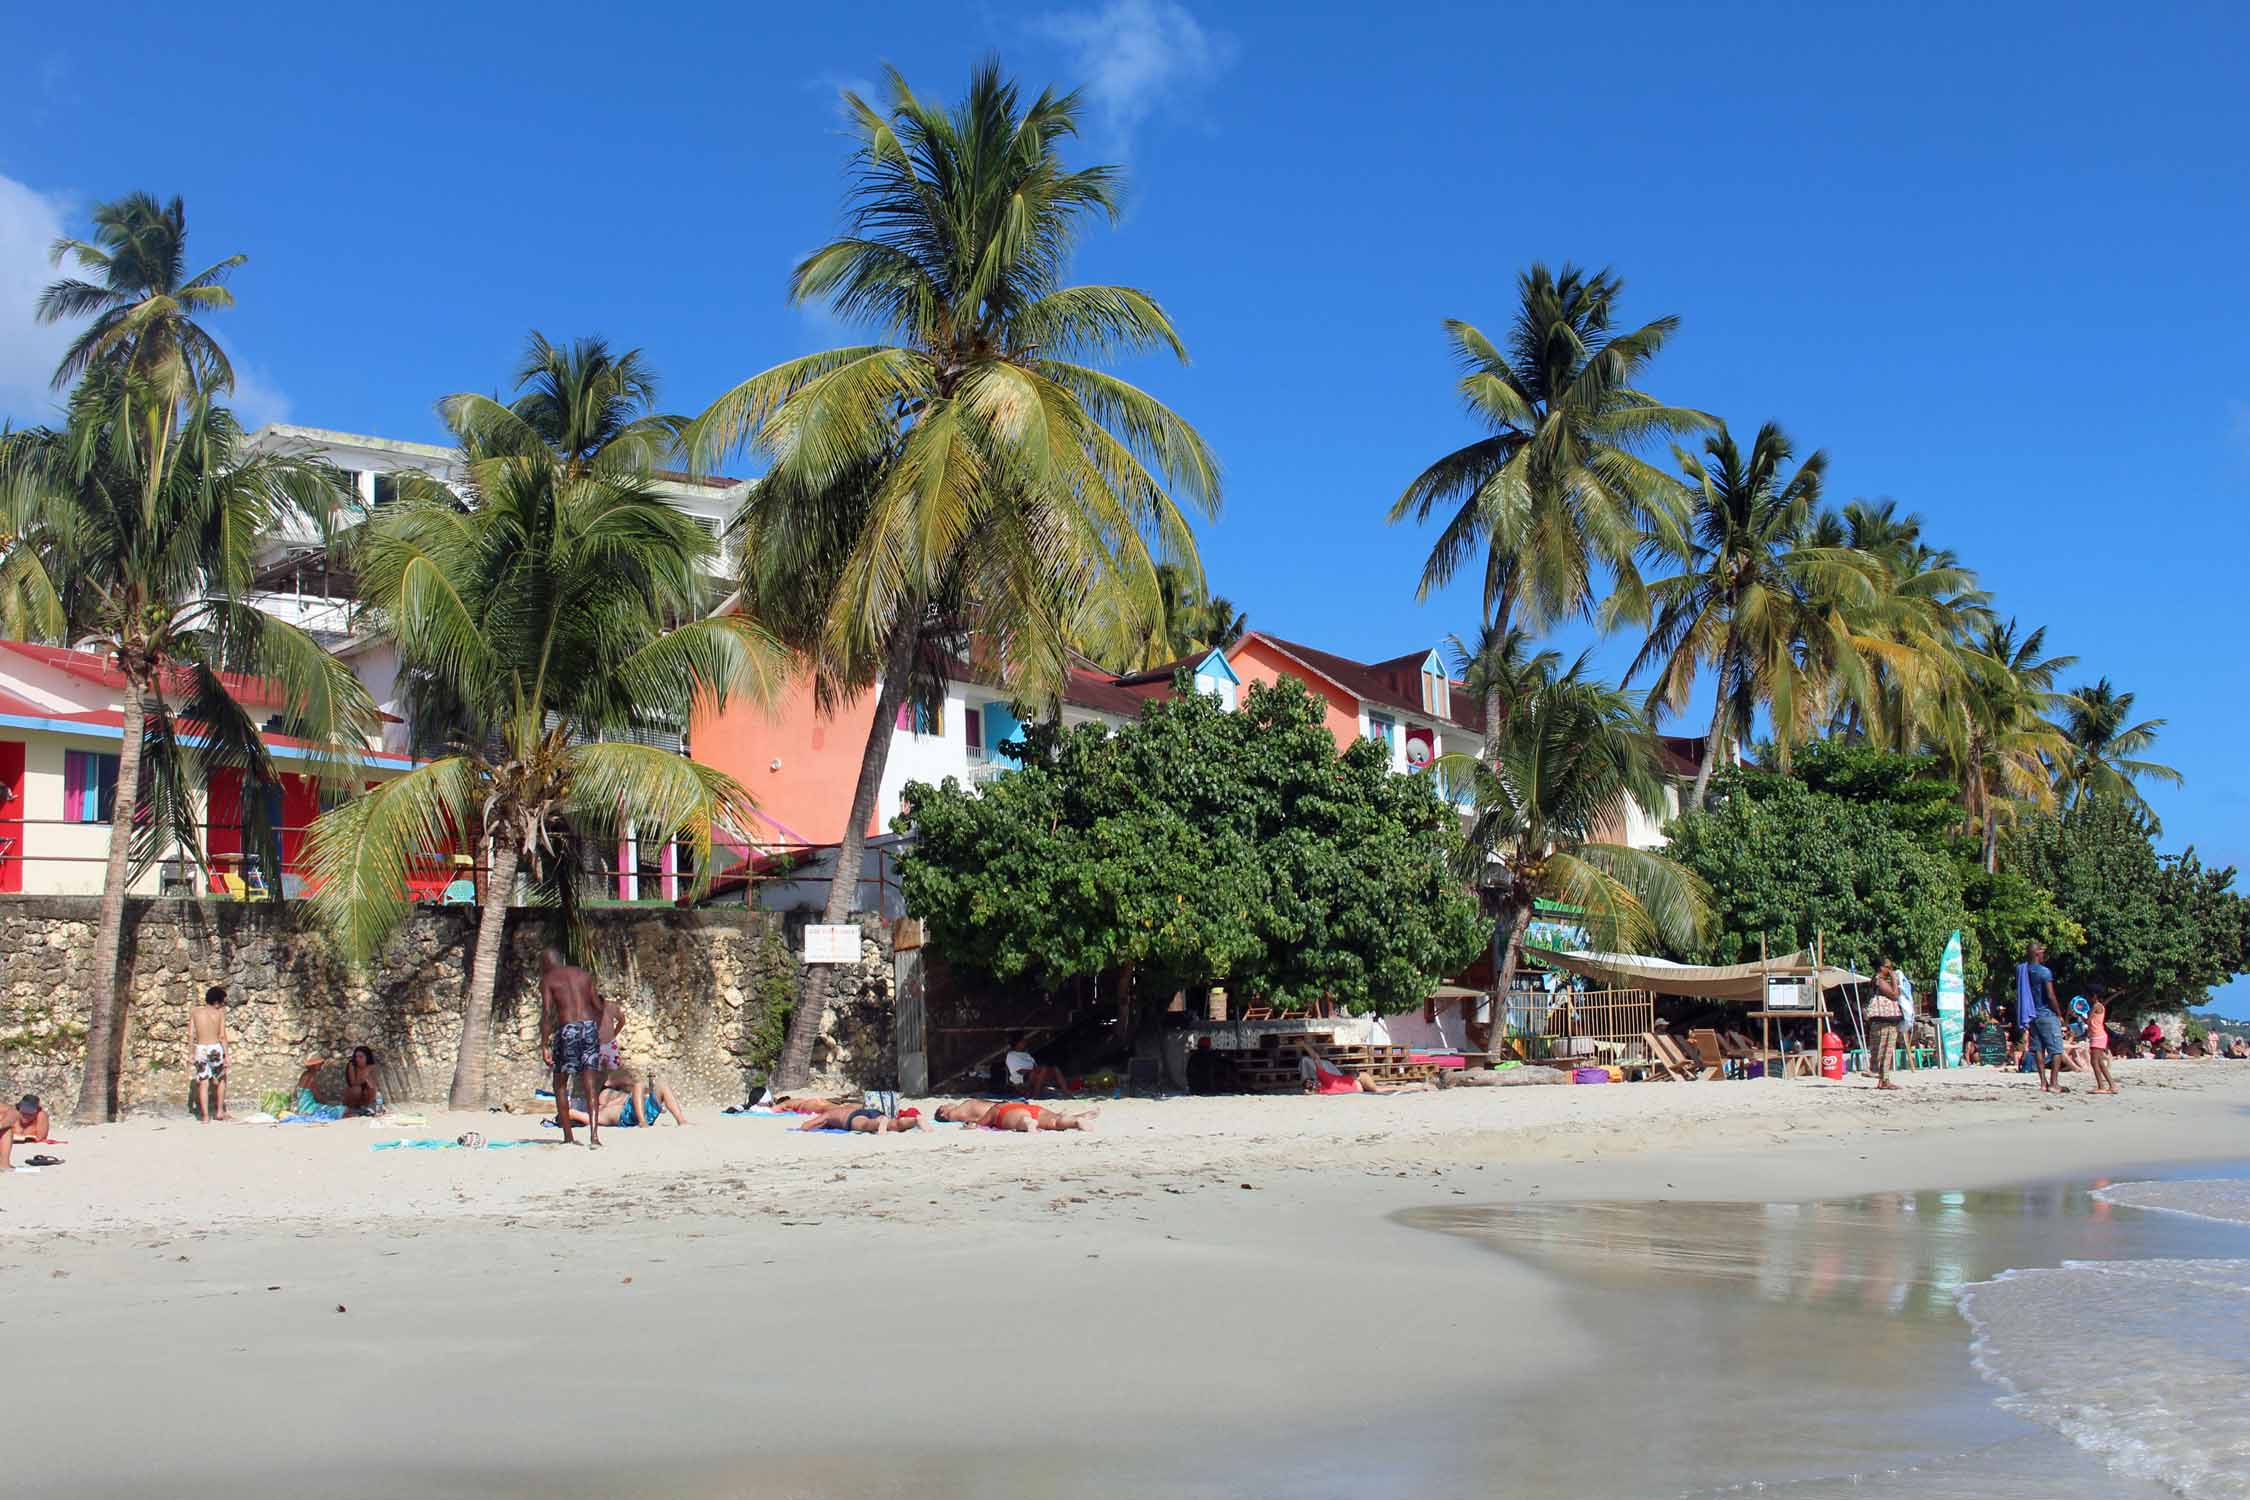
x=96 y=667
x=1396 y=683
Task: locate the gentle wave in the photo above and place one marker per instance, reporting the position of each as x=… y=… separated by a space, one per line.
x=2226 y=1200
x=2144 y=1362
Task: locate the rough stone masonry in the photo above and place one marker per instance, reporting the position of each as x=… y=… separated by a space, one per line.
x=705 y=995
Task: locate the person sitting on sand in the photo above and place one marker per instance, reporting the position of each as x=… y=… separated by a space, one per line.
x=361 y=1095
x=862 y=1120
x=1027 y=1075
x=13 y=1123
x=33 y=1126
x=1322 y=1078
x=1012 y=1114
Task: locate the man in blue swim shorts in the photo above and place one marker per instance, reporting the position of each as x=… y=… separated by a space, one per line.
x=570 y=1012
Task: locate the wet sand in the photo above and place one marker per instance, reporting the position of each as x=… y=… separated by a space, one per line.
x=1227 y=1298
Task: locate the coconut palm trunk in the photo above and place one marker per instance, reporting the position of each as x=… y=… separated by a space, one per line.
x=469 y=1070
x=1511 y=955
x=795 y=1066
x=105 y=1027
x=1710 y=758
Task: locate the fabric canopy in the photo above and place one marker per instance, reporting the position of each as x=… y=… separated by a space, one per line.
x=1634 y=971
x=1455 y=992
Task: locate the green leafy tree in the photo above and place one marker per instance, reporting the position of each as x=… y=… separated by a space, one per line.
x=1199 y=846
x=1844 y=850
x=549 y=614
x=146 y=551
x=1500 y=669
x=1997 y=737
x=1564 y=769
x=1556 y=492
x=2161 y=930
x=972 y=481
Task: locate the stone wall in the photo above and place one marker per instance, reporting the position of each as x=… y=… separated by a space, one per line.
x=705 y=995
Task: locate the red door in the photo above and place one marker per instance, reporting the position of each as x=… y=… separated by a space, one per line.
x=11 y=815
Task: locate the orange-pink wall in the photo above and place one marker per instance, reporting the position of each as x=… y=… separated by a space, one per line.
x=810 y=795
x=1255 y=661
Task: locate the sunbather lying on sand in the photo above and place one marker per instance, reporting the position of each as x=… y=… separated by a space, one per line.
x=862 y=1120
x=1012 y=1114
x=1320 y=1078
x=802 y=1104
x=637 y=1102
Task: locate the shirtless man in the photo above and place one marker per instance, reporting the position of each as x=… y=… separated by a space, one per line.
x=571 y=1015
x=1011 y=1114
x=862 y=1120
x=207 y=1052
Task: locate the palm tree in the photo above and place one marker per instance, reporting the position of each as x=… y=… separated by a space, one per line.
x=143 y=309
x=1566 y=764
x=142 y=316
x=550 y=614
x=1755 y=600
x=1556 y=491
x=1501 y=670
x=147 y=552
x=2103 y=750
x=1924 y=604
x=967 y=485
x=2000 y=743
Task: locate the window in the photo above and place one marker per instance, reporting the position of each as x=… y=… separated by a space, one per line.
x=89 y=786
x=972 y=725
x=1383 y=727
x=1437 y=689
x=921 y=718
x=386 y=488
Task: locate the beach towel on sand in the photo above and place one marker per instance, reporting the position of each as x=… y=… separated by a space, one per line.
x=436 y=1143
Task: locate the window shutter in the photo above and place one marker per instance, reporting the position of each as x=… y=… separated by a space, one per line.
x=74 y=786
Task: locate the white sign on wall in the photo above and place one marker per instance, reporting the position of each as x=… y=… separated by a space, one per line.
x=832 y=945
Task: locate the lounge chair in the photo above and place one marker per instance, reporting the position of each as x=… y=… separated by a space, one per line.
x=1690 y=1067
x=1711 y=1053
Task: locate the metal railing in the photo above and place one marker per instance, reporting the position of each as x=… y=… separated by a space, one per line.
x=241 y=874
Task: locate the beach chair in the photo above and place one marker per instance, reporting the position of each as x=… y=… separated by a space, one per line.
x=1691 y=1068
x=1667 y=1059
x=1711 y=1053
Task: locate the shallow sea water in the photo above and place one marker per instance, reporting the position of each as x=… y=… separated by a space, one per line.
x=2063 y=1339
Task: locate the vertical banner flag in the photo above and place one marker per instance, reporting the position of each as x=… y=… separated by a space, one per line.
x=1951 y=996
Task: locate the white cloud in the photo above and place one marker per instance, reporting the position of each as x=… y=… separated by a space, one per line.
x=30 y=223
x=1137 y=54
x=256 y=399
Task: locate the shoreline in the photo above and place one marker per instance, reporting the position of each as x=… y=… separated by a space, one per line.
x=1221 y=1289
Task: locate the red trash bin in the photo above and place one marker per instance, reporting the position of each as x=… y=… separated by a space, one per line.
x=1831 y=1055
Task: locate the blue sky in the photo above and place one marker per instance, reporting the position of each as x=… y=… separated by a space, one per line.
x=1990 y=257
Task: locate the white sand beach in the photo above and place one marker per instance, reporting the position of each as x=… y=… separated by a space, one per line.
x=1204 y=1295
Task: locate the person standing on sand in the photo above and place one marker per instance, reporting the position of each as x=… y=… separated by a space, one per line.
x=571 y=1015
x=1884 y=1014
x=2097 y=1039
x=207 y=1052
x=2035 y=989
